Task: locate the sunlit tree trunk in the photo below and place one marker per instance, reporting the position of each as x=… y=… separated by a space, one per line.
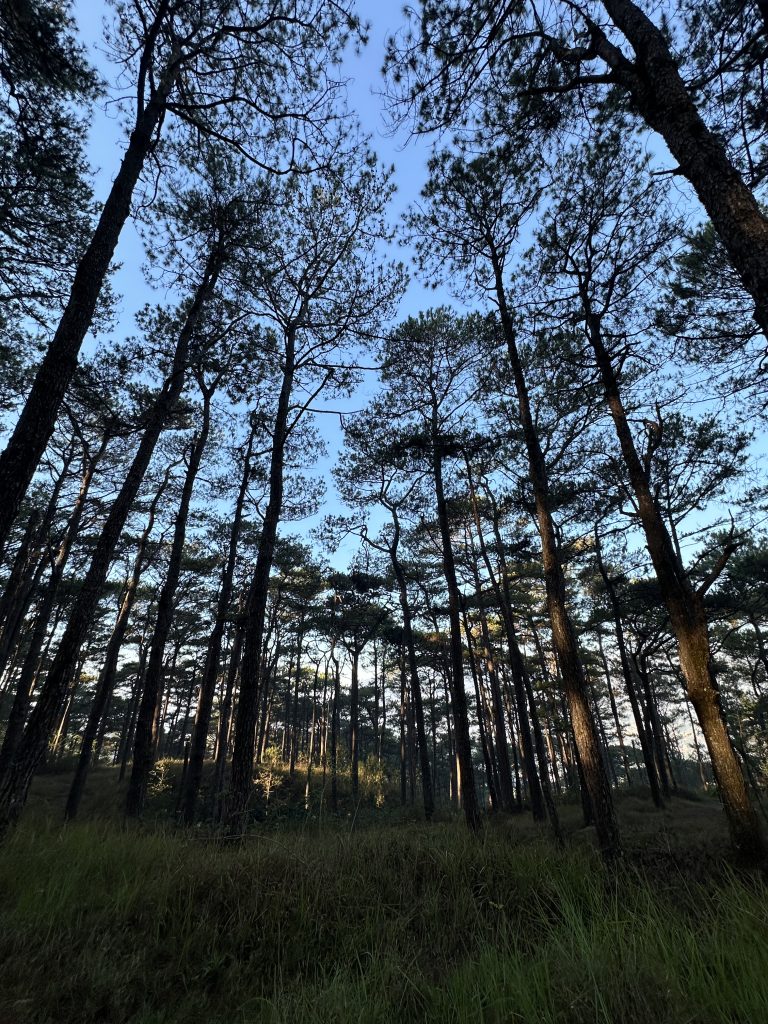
x=563 y=634
x=685 y=607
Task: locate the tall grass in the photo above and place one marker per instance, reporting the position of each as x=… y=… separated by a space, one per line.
x=399 y=923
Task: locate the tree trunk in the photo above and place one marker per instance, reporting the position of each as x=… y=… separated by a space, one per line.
x=14 y=788
x=410 y=650
x=517 y=666
x=354 y=721
x=38 y=417
x=462 y=738
x=225 y=715
x=28 y=567
x=312 y=733
x=685 y=607
x=614 y=708
x=106 y=680
x=31 y=663
x=247 y=707
x=213 y=653
x=144 y=742
x=489 y=759
x=652 y=723
x=629 y=681
x=335 y=734
x=126 y=739
x=663 y=100
x=563 y=635
x=403 y=762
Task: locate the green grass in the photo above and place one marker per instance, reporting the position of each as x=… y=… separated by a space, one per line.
x=396 y=922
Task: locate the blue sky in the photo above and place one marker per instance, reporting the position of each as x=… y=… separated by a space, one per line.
x=365 y=81
x=409 y=156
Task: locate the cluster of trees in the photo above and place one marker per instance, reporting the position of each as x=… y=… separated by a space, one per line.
x=560 y=579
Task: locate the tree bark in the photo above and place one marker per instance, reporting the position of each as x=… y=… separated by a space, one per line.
x=515 y=658
x=106 y=681
x=627 y=669
x=28 y=567
x=506 y=792
x=486 y=745
x=663 y=100
x=410 y=650
x=354 y=720
x=614 y=708
x=31 y=663
x=247 y=707
x=462 y=738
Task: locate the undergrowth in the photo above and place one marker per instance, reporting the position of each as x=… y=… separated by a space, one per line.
x=398 y=923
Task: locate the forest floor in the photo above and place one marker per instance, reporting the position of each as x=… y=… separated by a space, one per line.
x=375 y=917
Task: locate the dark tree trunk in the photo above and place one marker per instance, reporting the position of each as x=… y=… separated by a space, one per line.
x=410 y=649
x=31 y=663
x=506 y=793
x=652 y=723
x=614 y=708
x=294 y=738
x=28 y=568
x=23 y=558
x=335 y=734
x=662 y=98
x=354 y=721
x=489 y=759
x=247 y=707
x=629 y=681
x=462 y=738
x=225 y=715
x=38 y=417
x=17 y=590
x=14 y=788
x=106 y=681
x=144 y=741
x=312 y=733
x=403 y=760
x=129 y=726
x=213 y=654
x=536 y=785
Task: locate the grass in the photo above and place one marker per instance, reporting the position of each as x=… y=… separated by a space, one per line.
x=395 y=922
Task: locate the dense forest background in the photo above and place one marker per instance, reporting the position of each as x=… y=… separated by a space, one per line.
x=335 y=490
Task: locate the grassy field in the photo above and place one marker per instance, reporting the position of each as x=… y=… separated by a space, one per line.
x=320 y=921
